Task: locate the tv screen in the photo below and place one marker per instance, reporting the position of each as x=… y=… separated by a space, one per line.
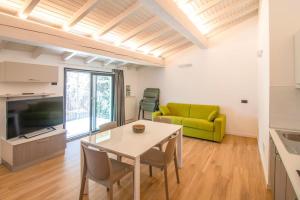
x=25 y=116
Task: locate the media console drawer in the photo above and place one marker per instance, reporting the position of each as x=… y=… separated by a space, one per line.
x=18 y=155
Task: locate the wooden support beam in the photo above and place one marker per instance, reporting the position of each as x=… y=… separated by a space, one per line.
x=3 y=44
x=177 y=50
x=164 y=42
x=139 y=29
x=172 y=15
x=119 y=19
x=68 y=55
x=82 y=12
x=33 y=33
x=90 y=59
x=27 y=8
x=37 y=52
x=149 y=39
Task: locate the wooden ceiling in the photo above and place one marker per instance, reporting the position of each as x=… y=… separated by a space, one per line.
x=128 y=24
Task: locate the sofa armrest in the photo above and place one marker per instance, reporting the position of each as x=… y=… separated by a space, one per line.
x=156 y=114
x=220 y=125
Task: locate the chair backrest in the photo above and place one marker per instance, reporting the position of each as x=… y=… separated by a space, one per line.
x=97 y=163
x=163 y=120
x=107 y=126
x=151 y=93
x=170 y=149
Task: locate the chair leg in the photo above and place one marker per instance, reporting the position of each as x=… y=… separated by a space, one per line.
x=176 y=169
x=143 y=114
x=166 y=182
x=111 y=192
x=119 y=158
x=150 y=170
x=83 y=182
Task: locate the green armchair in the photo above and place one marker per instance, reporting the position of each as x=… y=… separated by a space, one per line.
x=150 y=101
x=199 y=121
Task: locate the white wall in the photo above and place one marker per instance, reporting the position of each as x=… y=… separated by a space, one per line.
x=263 y=83
x=223 y=74
x=285 y=98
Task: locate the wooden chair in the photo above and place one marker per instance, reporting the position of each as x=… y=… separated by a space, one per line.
x=101 y=169
x=162 y=120
x=160 y=159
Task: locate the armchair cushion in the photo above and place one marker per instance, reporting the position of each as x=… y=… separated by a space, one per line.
x=212 y=116
x=201 y=124
x=164 y=110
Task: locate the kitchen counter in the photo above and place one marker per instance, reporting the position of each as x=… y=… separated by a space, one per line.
x=290 y=161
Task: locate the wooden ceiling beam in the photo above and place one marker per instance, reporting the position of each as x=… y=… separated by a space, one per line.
x=68 y=55
x=90 y=59
x=37 y=52
x=164 y=42
x=33 y=33
x=82 y=12
x=154 y=36
x=28 y=8
x=176 y=50
x=119 y=19
x=172 y=15
x=139 y=29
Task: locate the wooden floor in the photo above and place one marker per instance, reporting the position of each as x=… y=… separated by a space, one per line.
x=230 y=170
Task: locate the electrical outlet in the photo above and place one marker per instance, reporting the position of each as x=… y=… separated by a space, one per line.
x=244 y=101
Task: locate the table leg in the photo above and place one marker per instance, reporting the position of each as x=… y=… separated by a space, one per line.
x=86 y=187
x=137 y=176
x=179 y=149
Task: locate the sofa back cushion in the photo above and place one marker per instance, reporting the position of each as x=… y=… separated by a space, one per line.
x=179 y=109
x=202 y=111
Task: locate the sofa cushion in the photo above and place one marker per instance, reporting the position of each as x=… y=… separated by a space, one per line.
x=175 y=119
x=212 y=116
x=164 y=110
x=202 y=111
x=201 y=124
x=179 y=109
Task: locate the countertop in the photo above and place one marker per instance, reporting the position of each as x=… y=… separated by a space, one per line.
x=290 y=161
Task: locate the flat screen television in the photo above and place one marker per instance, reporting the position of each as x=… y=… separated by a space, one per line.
x=26 y=116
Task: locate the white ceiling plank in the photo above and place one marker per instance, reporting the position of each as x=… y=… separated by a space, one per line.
x=37 y=52
x=173 y=46
x=154 y=36
x=28 y=7
x=119 y=19
x=108 y=62
x=33 y=33
x=233 y=18
x=168 y=11
x=139 y=29
x=176 y=50
x=82 y=12
x=90 y=59
x=68 y=55
x=209 y=5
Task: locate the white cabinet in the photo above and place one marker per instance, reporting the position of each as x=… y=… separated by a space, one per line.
x=297 y=59
x=25 y=72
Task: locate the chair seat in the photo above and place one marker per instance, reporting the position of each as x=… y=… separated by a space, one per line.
x=153 y=157
x=198 y=124
x=119 y=169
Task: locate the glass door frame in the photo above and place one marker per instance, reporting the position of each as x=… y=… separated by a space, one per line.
x=92 y=73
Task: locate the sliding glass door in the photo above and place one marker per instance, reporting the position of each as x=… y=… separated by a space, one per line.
x=88 y=101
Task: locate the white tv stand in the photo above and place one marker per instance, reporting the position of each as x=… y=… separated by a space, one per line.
x=18 y=153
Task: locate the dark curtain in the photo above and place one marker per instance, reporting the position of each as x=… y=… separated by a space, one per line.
x=119 y=104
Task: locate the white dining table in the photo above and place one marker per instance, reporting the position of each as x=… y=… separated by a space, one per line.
x=124 y=142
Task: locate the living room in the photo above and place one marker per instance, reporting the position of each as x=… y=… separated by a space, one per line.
x=191 y=99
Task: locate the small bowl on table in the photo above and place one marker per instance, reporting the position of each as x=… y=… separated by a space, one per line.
x=138 y=128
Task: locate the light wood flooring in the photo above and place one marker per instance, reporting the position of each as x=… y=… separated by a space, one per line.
x=230 y=170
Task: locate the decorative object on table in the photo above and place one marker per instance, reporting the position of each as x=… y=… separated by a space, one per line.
x=128 y=91
x=150 y=101
x=199 y=121
x=138 y=128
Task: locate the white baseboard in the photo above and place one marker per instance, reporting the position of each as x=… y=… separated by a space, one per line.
x=249 y=135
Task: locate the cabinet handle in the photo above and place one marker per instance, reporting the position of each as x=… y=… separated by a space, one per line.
x=44 y=140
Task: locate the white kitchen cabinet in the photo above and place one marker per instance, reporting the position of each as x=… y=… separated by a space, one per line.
x=25 y=72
